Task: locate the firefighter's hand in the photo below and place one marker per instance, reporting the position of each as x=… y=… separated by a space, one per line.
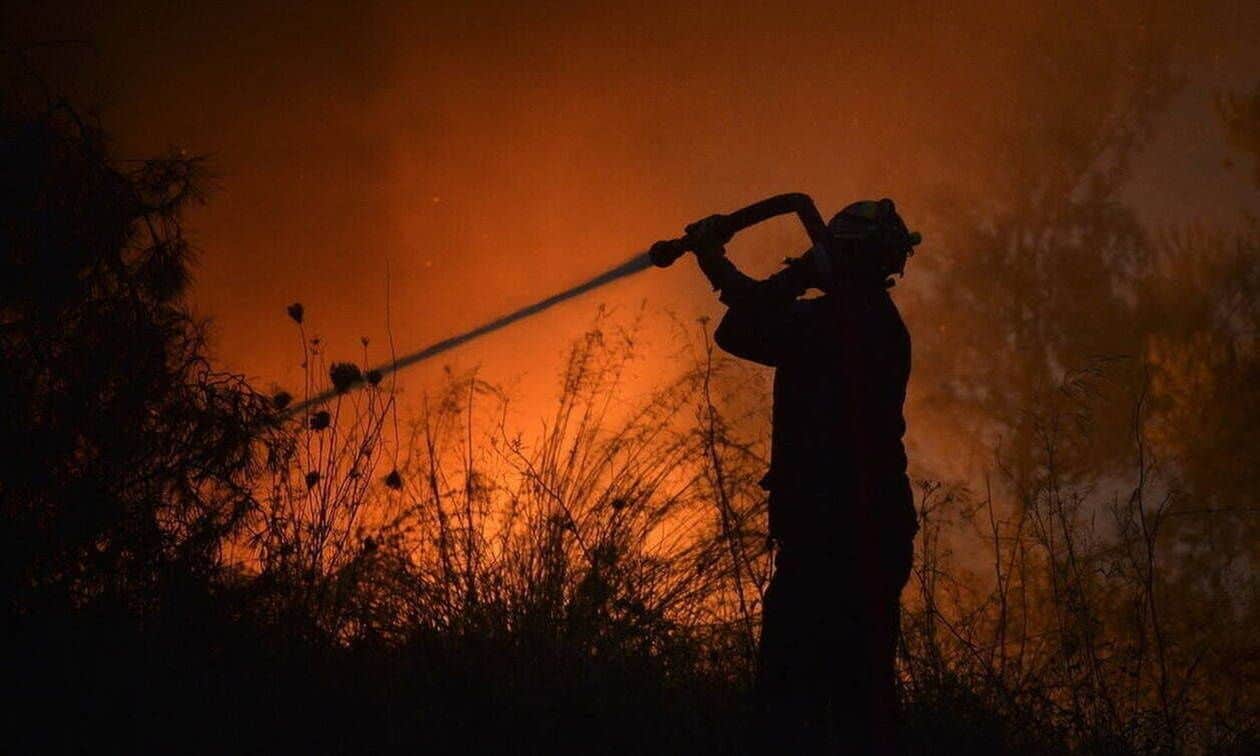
x=709 y=236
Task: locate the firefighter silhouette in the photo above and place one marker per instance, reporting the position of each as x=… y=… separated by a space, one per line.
x=841 y=509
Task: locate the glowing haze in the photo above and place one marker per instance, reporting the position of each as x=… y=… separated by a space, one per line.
x=490 y=154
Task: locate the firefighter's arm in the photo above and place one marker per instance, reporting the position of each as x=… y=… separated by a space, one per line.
x=737 y=289
x=709 y=237
x=758 y=324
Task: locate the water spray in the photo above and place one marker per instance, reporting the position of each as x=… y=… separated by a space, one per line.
x=661 y=255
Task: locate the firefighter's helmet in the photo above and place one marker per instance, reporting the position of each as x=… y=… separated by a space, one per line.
x=874 y=239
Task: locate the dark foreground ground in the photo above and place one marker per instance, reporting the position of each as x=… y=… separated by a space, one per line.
x=208 y=684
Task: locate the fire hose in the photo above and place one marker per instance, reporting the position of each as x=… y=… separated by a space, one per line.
x=662 y=254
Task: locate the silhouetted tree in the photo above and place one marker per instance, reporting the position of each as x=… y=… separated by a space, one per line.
x=128 y=457
x=1098 y=372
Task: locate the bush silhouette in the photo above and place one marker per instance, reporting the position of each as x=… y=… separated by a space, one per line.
x=130 y=457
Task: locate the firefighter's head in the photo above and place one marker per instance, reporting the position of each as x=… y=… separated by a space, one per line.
x=873 y=241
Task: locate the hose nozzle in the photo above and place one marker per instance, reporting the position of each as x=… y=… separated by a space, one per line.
x=664 y=253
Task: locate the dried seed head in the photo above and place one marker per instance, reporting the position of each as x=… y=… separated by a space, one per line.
x=312 y=478
x=320 y=420
x=282 y=399
x=374 y=377
x=344 y=375
x=394 y=480
x=296 y=311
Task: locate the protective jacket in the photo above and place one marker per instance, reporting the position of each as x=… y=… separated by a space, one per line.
x=842 y=362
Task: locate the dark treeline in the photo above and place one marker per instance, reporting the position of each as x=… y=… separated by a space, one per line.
x=184 y=571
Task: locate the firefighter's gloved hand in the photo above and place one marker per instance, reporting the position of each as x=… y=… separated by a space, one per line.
x=709 y=236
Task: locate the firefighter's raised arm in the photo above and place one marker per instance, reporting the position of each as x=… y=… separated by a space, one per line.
x=736 y=288
x=760 y=317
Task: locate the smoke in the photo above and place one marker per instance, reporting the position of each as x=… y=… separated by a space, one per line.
x=492 y=152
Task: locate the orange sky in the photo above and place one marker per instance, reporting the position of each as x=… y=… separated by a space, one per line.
x=497 y=152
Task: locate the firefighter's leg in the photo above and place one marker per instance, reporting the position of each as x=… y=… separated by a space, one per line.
x=792 y=682
x=882 y=645
x=865 y=627
x=848 y=669
x=879 y=638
